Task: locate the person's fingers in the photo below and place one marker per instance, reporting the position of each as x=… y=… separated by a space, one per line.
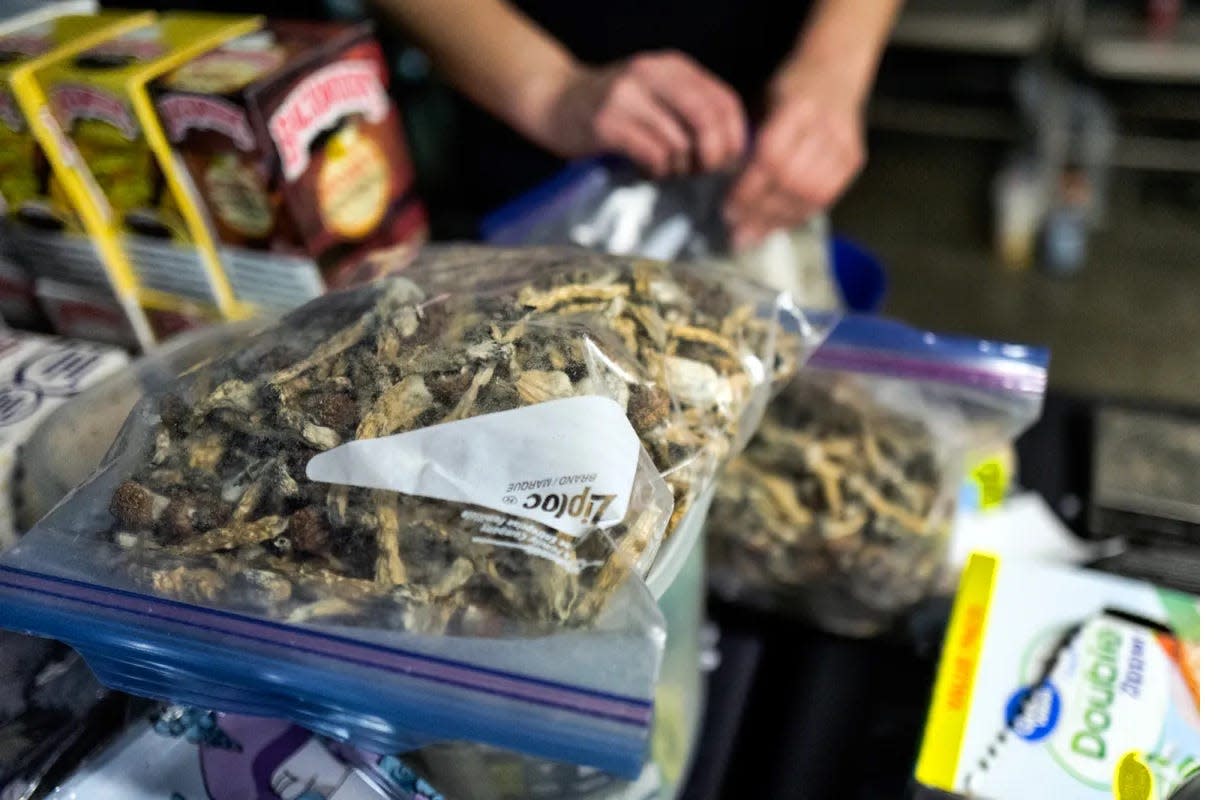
x=773 y=150
x=747 y=234
x=807 y=167
x=768 y=213
x=831 y=172
x=622 y=134
x=780 y=137
x=746 y=193
x=824 y=165
x=709 y=107
x=774 y=210
x=630 y=101
x=730 y=127
x=807 y=173
x=781 y=209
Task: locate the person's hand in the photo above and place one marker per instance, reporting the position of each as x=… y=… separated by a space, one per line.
x=662 y=110
x=809 y=149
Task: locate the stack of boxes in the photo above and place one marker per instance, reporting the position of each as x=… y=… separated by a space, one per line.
x=289 y=137
x=32 y=200
x=160 y=172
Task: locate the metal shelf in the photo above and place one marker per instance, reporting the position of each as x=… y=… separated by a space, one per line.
x=999 y=27
x=1156 y=154
x=1118 y=46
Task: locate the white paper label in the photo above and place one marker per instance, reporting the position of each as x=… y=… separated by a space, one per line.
x=568 y=464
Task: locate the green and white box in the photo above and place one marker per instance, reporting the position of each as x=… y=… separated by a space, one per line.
x=1058 y=682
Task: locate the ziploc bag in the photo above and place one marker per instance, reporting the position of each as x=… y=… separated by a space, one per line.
x=840 y=508
x=607 y=205
x=364 y=517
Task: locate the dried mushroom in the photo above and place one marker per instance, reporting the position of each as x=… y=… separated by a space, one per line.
x=221 y=509
x=835 y=510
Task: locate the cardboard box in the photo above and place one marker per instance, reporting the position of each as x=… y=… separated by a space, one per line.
x=1057 y=682
x=89 y=313
x=294 y=148
x=18 y=303
x=29 y=196
x=91 y=112
x=17 y=14
x=38 y=374
x=27 y=184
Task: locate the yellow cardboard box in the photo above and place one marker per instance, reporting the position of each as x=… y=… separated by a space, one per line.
x=24 y=172
x=91 y=112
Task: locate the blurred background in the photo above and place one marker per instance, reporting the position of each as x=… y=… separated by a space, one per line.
x=1098 y=102
x=1033 y=175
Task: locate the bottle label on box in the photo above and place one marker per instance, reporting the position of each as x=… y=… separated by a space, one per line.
x=184 y=112
x=319 y=102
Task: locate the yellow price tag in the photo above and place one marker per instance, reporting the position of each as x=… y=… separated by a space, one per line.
x=991 y=479
x=1133 y=779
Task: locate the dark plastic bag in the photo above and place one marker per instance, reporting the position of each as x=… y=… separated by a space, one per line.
x=608 y=206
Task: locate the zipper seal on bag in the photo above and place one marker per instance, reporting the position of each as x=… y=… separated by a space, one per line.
x=880 y=346
x=258 y=637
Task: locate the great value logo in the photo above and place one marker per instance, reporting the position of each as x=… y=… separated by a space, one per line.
x=1032 y=713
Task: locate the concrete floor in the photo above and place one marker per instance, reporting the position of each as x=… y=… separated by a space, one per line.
x=1126 y=326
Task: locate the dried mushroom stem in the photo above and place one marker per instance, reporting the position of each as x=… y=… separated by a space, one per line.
x=539 y=386
x=333 y=347
x=326 y=607
x=234 y=536
x=829 y=475
x=545 y=301
x=396 y=409
x=690 y=333
x=784 y=498
x=849 y=525
x=466 y=404
x=911 y=521
x=390 y=570
x=205 y=453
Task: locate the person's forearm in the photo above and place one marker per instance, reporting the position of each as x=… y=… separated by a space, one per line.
x=850 y=34
x=491 y=52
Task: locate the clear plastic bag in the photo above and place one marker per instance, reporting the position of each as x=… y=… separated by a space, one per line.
x=290 y=527
x=840 y=508
x=609 y=206
x=67 y=447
